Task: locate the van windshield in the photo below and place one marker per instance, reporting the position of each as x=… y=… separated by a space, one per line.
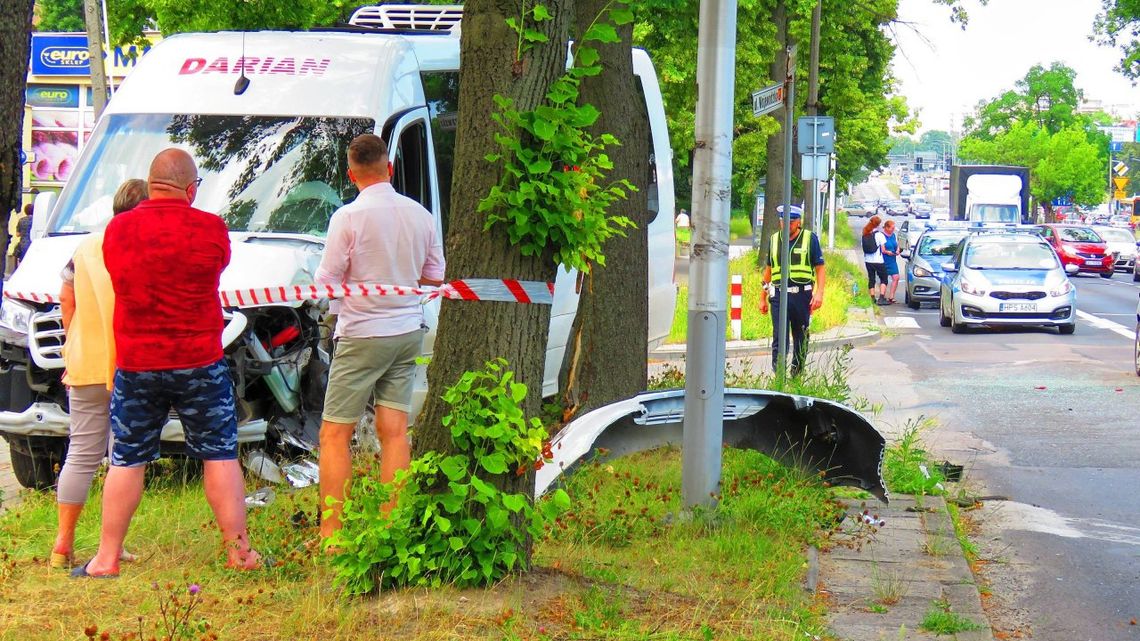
x=259 y=173
x=995 y=214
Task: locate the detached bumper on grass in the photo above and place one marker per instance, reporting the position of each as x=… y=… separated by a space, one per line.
x=801 y=431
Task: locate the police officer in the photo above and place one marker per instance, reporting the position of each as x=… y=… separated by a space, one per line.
x=805 y=286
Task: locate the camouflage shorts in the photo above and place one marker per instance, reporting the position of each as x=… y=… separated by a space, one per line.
x=202 y=396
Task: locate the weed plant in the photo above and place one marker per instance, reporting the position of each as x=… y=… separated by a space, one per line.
x=907 y=466
x=940 y=620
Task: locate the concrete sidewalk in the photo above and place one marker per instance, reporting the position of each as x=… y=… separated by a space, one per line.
x=881 y=583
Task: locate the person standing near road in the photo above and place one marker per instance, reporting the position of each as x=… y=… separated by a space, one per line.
x=381 y=237
x=165 y=259
x=87 y=302
x=891 y=260
x=806 y=281
x=873 y=240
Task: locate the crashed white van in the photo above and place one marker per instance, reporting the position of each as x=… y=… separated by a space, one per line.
x=272 y=160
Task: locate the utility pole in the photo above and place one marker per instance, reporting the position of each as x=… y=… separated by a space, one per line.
x=785 y=238
x=703 y=431
x=95 y=58
x=811 y=187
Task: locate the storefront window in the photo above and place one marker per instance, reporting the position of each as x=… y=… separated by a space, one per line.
x=61 y=118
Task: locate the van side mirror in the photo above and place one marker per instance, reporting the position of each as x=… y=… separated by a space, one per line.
x=41 y=210
x=950 y=267
x=1072 y=269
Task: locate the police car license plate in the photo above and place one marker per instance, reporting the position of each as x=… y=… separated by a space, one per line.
x=1018 y=307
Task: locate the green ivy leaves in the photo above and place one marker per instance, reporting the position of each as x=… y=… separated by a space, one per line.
x=553 y=194
x=451 y=525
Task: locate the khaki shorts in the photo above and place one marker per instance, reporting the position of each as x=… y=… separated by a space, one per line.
x=381 y=367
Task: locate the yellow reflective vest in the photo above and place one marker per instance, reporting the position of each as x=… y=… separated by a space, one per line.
x=800 y=270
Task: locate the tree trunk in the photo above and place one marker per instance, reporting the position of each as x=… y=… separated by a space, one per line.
x=15 y=42
x=774 y=192
x=606 y=357
x=471 y=333
x=1050 y=215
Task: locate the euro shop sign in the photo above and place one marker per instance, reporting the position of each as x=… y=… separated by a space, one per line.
x=65 y=54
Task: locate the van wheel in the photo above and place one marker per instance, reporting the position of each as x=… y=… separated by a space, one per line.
x=1067 y=329
x=35 y=472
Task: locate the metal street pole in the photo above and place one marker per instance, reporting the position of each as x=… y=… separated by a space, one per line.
x=708 y=265
x=785 y=250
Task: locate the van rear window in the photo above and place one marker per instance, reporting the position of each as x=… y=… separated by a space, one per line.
x=259 y=173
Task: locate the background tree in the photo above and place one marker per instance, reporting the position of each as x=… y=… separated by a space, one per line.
x=1046 y=96
x=15 y=43
x=1119 y=24
x=59 y=15
x=606 y=359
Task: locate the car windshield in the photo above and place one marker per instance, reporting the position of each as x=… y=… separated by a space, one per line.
x=1014 y=255
x=1079 y=235
x=940 y=245
x=259 y=173
x=995 y=214
x=1116 y=235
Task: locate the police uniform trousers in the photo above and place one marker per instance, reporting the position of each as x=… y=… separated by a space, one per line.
x=799 y=319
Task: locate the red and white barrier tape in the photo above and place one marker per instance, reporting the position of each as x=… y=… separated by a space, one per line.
x=737 y=293
x=506 y=290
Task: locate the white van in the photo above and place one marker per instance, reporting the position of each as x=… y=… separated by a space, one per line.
x=272 y=160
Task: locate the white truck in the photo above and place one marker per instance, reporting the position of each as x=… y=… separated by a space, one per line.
x=989 y=194
x=272 y=160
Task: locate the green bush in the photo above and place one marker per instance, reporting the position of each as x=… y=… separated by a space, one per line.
x=451 y=525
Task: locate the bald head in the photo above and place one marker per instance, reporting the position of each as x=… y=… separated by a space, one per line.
x=173 y=175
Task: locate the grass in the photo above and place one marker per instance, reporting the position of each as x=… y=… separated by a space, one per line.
x=842 y=275
x=889 y=586
x=621 y=565
x=940 y=620
x=739 y=227
x=907 y=467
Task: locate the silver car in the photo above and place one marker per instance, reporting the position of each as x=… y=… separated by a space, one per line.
x=1122 y=244
x=931 y=251
x=1006 y=279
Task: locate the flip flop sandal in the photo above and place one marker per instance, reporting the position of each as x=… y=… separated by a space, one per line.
x=81 y=573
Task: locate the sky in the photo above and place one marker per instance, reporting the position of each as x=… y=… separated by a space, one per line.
x=944 y=71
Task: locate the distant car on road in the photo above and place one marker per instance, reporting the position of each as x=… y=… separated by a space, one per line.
x=1080 y=246
x=1122 y=245
x=892 y=208
x=923 y=209
x=908 y=233
x=1007 y=279
x=932 y=249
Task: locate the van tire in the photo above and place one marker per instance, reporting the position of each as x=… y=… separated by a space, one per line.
x=35 y=472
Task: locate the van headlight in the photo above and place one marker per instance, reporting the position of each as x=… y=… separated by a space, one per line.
x=15 y=316
x=1062 y=289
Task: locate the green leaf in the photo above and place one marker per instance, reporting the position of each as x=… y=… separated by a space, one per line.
x=482 y=487
x=544 y=129
x=518 y=392
x=457 y=543
x=513 y=24
x=454 y=467
x=494 y=463
x=443 y=523
x=601 y=32
x=621 y=15
x=587 y=56
x=530 y=35
x=541 y=13
x=514 y=502
x=540 y=166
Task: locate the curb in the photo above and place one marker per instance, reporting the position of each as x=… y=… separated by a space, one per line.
x=763 y=348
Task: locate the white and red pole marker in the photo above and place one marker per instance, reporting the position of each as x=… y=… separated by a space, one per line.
x=737 y=292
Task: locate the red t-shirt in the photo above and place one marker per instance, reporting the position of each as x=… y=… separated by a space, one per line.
x=165 y=259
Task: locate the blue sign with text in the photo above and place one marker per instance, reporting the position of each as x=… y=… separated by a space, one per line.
x=1115 y=147
x=60 y=55
x=58 y=96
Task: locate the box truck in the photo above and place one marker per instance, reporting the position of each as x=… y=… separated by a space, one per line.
x=989 y=194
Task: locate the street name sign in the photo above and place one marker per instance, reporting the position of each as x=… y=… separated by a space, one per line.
x=767 y=99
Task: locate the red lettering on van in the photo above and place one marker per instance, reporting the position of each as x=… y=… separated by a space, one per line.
x=313 y=66
x=219 y=65
x=192 y=65
x=284 y=66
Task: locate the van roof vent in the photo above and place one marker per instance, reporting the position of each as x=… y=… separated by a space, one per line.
x=414 y=17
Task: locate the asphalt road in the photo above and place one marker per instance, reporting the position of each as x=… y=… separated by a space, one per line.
x=1050 y=422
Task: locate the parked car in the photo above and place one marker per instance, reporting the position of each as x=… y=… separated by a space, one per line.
x=933 y=249
x=923 y=209
x=1080 y=246
x=1007 y=279
x=1121 y=244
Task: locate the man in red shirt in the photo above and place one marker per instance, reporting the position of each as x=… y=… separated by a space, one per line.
x=165 y=259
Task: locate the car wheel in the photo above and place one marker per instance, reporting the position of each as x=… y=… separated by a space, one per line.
x=1066 y=330
x=1136 y=276
x=957 y=328
x=943 y=319
x=910 y=302
x=34 y=472
x=1106 y=275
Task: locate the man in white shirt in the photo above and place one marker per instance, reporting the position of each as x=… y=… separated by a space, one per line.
x=385 y=238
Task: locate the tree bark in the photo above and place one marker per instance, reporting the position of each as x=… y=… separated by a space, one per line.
x=606 y=356
x=15 y=43
x=774 y=191
x=471 y=333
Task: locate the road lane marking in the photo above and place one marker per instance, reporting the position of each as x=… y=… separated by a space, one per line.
x=901 y=322
x=1104 y=323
